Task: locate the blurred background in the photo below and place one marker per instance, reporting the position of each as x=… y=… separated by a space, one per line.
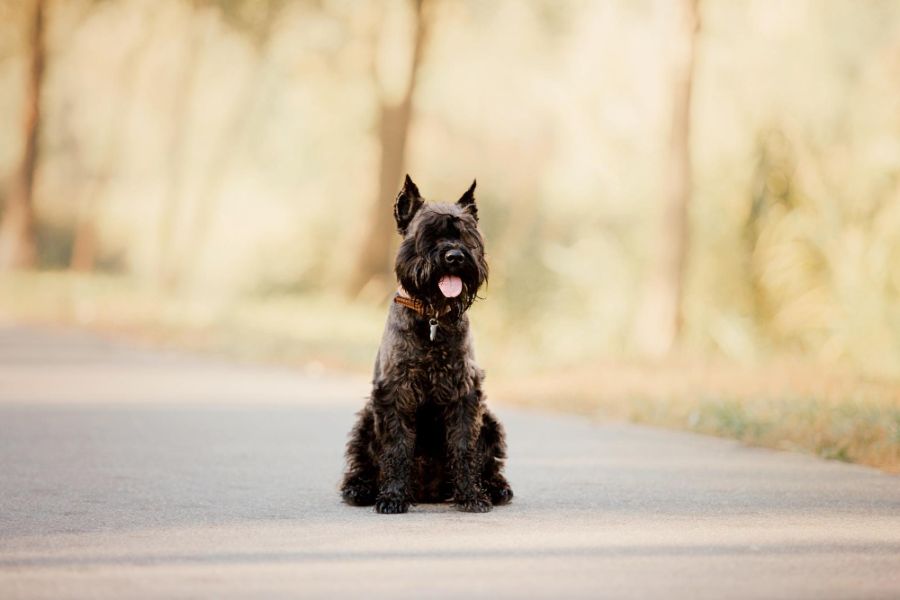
x=692 y=207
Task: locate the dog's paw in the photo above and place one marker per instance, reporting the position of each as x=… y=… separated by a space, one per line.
x=391 y=506
x=501 y=495
x=358 y=494
x=479 y=504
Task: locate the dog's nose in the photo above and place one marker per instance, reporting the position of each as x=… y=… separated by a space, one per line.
x=454 y=257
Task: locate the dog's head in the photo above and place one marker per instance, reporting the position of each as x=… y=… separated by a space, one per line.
x=441 y=259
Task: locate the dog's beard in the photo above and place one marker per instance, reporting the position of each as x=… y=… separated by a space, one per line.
x=421 y=277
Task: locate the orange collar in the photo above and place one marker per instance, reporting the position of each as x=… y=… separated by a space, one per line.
x=408 y=302
x=404 y=299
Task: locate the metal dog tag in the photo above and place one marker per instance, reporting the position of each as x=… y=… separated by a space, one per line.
x=433 y=332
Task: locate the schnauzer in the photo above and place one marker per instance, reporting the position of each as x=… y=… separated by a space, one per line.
x=425 y=434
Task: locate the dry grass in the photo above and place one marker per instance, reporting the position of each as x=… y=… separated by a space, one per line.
x=305 y=331
x=789 y=405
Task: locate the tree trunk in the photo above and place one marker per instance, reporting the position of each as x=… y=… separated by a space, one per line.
x=659 y=319
x=18 y=245
x=374 y=260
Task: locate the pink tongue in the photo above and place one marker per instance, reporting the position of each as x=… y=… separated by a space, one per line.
x=451 y=286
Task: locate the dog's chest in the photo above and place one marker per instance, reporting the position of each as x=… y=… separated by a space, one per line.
x=442 y=386
x=442 y=376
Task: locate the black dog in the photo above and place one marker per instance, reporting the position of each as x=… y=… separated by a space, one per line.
x=425 y=435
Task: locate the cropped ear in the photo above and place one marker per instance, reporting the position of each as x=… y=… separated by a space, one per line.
x=467 y=201
x=407 y=203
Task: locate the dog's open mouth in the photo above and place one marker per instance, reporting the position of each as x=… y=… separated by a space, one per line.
x=450 y=286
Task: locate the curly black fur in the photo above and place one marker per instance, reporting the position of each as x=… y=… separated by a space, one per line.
x=425 y=435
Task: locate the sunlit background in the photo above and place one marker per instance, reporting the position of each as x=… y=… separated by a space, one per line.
x=692 y=208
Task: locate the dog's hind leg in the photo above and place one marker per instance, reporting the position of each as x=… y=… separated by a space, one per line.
x=359 y=486
x=492 y=452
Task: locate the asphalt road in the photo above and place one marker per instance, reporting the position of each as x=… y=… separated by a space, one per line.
x=132 y=474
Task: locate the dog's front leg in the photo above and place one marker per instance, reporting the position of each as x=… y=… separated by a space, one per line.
x=395 y=425
x=463 y=425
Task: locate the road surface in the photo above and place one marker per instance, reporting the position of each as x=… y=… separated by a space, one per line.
x=126 y=473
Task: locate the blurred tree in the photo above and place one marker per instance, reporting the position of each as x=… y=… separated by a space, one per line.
x=658 y=321
x=18 y=245
x=254 y=20
x=374 y=260
x=84 y=244
x=183 y=90
x=771 y=188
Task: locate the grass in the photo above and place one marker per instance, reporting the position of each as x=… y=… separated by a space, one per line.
x=295 y=330
x=794 y=405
